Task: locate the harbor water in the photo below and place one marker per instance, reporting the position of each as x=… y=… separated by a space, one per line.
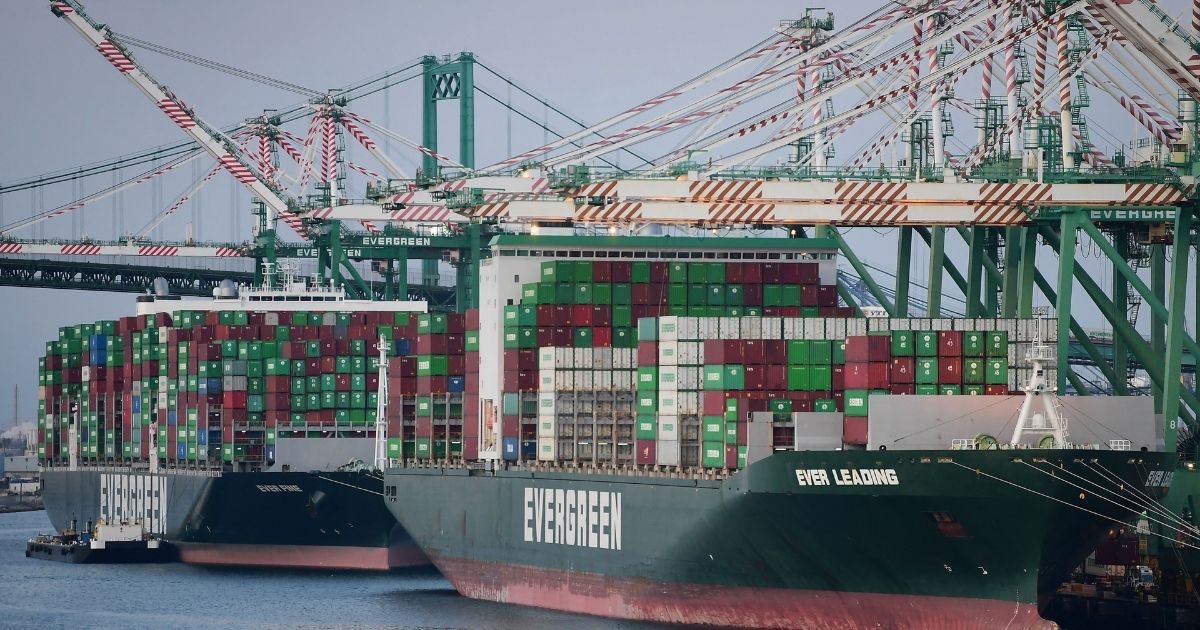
x=40 y=594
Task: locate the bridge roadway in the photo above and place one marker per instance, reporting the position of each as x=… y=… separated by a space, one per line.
x=48 y=273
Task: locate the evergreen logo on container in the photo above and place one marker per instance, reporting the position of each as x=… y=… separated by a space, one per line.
x=579 y=518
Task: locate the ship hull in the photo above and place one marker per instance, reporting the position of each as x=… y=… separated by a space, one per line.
x=328 y=520
x=929 y=539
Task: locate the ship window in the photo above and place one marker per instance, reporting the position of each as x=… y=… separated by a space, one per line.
x=948 y=525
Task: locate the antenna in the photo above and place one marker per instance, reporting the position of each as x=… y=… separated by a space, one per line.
x=381 y=454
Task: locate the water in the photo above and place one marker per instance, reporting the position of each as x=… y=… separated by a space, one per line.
x=42 y=594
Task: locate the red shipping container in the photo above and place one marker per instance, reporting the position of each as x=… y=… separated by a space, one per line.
x=545 y=315
x=735 y=352
x=472 y=319
x=424 y=427
x=752 y=294
x=456 y=323
x=802 y=406
x=622 y=271
x=647 y=452
x=857 y=375
x=581 y=315
x=731 y=456
x=601 y=271
x=949 y=370
x=880 y=348
x=809 y=295
x=789 y=273
x=950 y=344
x=602 y=337
x=647 y=353
x=858 y=349
x=601 y=316
x=777 y=377
x=714 y=352
x=770 y=273
x=903 y=389
x=456 y=344
x=456 y=365
x=564 y=337
x=810 y=272
x=854 y=430
x=544 y=336
x=996 y=390
x=838 y=378
x=562 y=316
x=879 y=375
x=733 y=273
x=753 y=352
x=903 y=370
x=756 y=377
x=714 y=403
x=826 y=295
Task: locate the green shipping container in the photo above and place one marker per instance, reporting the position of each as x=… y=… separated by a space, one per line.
x=972 y=390
x=902 y=343
x=799 y=352
x=997 y=344
x=927 y=371
x=714 y=454
x=974 y=343
x=781 y=406
x=927 y=343
x=856 y=402
x=798 y=378
x=997 y=372
x=972 y=371
x=647 y=427
x=949 y=390
x=640 y=273
x=825 y=405
x=713 y=429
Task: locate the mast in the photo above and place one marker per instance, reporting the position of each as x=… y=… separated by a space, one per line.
x=381 y=454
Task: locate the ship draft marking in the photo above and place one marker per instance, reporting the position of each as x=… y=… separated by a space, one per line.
x=579 y=518
x=847 y=477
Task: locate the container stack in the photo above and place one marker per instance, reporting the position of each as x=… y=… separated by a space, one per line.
x=218 y=387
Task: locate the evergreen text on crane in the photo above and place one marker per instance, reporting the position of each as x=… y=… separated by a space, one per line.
x=580 y=518
x=396 y=241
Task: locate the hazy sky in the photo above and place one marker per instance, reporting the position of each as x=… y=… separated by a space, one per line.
x=65 y=106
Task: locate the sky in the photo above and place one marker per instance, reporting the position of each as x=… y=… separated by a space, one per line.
x=65 y=106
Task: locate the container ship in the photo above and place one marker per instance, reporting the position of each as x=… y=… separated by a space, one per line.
x=240 y=429
x=692 y=430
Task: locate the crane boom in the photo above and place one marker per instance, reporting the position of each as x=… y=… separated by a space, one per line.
x=220 y=146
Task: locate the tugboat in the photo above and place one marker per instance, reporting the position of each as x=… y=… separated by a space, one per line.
x=106 y=543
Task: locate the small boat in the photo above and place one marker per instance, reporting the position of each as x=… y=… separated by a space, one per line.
x=105 y=543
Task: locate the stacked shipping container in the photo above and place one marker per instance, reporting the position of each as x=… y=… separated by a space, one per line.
x=220 y=386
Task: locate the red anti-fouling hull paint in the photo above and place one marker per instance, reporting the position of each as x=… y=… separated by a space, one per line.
x=699 y=604
x=303 y=556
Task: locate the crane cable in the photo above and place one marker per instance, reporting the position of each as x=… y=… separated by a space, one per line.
x=240 y=73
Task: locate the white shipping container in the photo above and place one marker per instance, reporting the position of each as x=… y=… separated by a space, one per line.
x=709 y=328
x=689 y=328
x=668 y=402
x=668 y=427
x=583 y=358
x=624 y=358
x=547 y=357
x=772 y=328
x=546 y=427
x=752 y=328
x=584 y=380
x=855 y=327
x=667 y=452
x=545 y=403
x=668 y=328
x=602 y=380
x=668 y=378
x=603 y=358
x=547 y=380
x=835 y=327
x=690 y=403
x=624 y=379
x=691 y=378
x=668 y=353
x=729 y=328
x=879 y=324
x=85 y=373
x=546 y=449
x=690 y=353
x=814 y=328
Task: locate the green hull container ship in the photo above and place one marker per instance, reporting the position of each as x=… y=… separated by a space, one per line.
x=838 y=539
x=768 y=461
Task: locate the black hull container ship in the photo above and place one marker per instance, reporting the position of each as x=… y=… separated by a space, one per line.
x=240 y=429
x=765 y=466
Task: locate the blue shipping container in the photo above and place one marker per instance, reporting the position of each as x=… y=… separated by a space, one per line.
x=510 y=449
x=182 y=451
x=214 y=386
x=202 y=438
x=270 y=450
x=529 y=449
x=137 y=404
x=456 y=384
x=402 y=347
x=173 y=417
